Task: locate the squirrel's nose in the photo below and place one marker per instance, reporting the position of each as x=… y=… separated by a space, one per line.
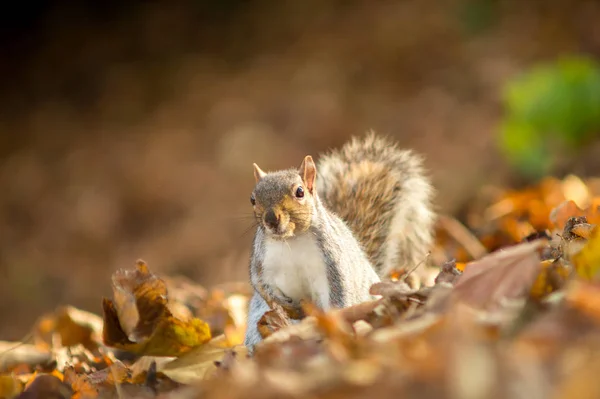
x=271 y=219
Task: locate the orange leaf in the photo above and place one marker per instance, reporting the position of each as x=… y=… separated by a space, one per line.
x=562 y=213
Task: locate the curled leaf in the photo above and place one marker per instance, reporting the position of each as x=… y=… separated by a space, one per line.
x=140 y=319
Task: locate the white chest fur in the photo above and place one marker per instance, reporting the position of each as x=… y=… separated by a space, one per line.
x=296 y=267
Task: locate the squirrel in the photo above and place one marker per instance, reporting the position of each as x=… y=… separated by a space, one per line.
x=328 y=238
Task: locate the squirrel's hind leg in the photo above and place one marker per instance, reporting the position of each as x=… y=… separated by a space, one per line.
x=256 y=309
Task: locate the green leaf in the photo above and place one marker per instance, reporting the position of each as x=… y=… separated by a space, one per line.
x=552 y=103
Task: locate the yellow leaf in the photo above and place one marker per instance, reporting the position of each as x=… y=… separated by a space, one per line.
x=587 y=261
x=552 y=277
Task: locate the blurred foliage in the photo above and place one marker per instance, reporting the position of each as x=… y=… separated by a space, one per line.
x=477 y=16
x=550 y=109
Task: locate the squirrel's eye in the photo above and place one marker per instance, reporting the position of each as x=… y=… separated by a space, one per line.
x=252 y=200
x=299 y=192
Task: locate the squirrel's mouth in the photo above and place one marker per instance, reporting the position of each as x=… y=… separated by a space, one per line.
x=279 y=232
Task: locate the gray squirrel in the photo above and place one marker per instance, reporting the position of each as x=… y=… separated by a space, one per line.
x=327 y=238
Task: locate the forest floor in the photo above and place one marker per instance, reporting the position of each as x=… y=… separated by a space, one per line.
x=511 y=308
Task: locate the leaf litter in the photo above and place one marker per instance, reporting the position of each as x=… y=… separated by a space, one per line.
x=511 y=310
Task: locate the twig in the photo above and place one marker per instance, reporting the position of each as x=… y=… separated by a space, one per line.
x=416 y=266
x=463 y=236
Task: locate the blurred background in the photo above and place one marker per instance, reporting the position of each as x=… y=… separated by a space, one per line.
x=128 y=129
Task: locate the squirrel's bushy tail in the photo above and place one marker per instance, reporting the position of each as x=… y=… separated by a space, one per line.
x=383 y=195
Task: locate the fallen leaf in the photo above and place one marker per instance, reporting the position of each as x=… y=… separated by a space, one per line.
x=502 y=275
x=199 y=363
x=140 y=321
x=587 y=259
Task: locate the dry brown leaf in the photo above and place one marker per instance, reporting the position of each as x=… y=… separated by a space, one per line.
x=140 y=321
x=503 y=275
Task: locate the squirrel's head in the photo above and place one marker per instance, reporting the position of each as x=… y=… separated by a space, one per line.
x=283 y=201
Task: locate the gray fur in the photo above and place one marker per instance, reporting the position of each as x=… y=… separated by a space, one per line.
x=349 y=273
x=392 y=216
x=388 y=212
x=257 y=308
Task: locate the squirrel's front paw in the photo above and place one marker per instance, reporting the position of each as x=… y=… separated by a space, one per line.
x=292 y=308
x=294 y=311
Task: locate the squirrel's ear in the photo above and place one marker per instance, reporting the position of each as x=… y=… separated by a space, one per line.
x=258 y=173
x=308 y=171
